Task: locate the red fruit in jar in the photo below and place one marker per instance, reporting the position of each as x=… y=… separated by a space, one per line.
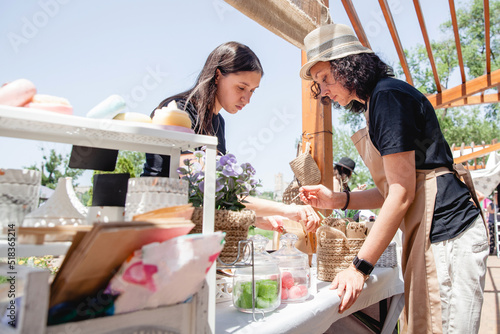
x=284 y=294
x=295 y=292
x=286 y=280
x=303 y=289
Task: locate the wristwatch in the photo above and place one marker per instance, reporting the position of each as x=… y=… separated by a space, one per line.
x=363 y=266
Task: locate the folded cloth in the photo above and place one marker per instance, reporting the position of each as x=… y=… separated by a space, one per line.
x=165 y=273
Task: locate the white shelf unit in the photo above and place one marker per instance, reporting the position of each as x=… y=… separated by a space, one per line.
x=41 y=125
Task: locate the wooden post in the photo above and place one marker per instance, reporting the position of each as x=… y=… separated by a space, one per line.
x=317 y=129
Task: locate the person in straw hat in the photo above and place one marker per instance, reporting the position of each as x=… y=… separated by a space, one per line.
x=445 y=243
x=230 y=76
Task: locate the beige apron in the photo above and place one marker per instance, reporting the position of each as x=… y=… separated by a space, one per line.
x=422 y=312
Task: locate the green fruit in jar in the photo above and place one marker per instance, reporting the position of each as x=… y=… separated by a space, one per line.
x=244 y=293
x=266 y=293
x=267 y=289
x=263 y=303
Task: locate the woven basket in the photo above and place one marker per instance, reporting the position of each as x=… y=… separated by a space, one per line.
x=335 y=252
x=290 y=195
x=305 y=169
x=234 y=223
x=389 y=258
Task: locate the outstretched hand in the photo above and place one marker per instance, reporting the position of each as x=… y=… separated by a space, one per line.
x=270 y=223
x=317 y=196
x=304 y=214
x=349 y=284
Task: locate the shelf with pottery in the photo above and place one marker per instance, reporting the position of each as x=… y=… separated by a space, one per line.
x=40 y=125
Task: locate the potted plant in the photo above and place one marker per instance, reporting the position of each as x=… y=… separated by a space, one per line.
x=234 y=183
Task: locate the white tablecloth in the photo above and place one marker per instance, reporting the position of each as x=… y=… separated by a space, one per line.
x=316 y=314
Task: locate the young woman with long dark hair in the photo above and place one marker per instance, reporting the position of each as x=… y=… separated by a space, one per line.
x=230 y=76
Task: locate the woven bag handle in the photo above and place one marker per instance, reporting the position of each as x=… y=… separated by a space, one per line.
x=308 y=148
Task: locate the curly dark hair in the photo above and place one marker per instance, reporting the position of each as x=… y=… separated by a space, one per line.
x=358 y=73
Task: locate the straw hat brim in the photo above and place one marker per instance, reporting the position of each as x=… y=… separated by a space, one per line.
x=329 y=42
x=305 y=71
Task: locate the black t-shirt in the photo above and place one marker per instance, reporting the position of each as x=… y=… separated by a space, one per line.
x=402 y=119
x=159 y=165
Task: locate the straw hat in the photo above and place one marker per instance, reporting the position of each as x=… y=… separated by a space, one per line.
x=328 y=42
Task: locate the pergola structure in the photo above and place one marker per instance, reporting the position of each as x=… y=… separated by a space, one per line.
x=294 y=19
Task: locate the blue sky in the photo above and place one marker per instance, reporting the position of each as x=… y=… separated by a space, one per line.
x=148 y=50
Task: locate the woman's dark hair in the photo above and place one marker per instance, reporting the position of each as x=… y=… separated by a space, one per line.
x=230 y=57
x=358 y=73
x=343 y=175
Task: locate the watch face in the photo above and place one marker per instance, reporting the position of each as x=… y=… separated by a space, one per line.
x=364 y=266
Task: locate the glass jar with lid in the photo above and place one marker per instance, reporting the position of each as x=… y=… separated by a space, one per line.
x=294 y=268
x=266 y=283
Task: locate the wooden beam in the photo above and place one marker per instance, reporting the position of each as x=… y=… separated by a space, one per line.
x=395 y=38
x=476 y=99
x=487 y=35
x=477 y=154
x=457 y=39
x=471 y=87
x=317 y=129
x=356 y=23
x=421 y=21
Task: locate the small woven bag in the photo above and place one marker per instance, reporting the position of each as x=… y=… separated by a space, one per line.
x=306 y=172
x=305 y=168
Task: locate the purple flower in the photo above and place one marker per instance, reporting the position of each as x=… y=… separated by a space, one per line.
x=248 y=168
x=232 y=170
x=228 y=158
x=219 y=184
x=233 y=182
x=218 y=166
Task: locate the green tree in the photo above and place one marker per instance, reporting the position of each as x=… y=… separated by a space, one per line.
x=55 y=166
x=470 y=18
x=465 y=125
x=344 y=147
x=267 y=195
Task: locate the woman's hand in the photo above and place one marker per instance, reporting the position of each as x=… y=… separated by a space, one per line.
x=304 y=214
x=349 y=284
x=270 y=223
x=317 y=196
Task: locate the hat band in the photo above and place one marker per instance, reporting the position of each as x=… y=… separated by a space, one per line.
x=340 y=53
x=330 y=44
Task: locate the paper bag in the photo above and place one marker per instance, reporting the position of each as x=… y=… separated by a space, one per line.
x=304 y=244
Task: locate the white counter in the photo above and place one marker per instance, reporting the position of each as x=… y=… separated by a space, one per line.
x=317 y=313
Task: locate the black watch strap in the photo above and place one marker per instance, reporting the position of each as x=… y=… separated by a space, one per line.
x=363 y=266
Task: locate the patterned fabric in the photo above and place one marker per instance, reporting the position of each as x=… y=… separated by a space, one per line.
x=486 y=180
x=491 y=227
